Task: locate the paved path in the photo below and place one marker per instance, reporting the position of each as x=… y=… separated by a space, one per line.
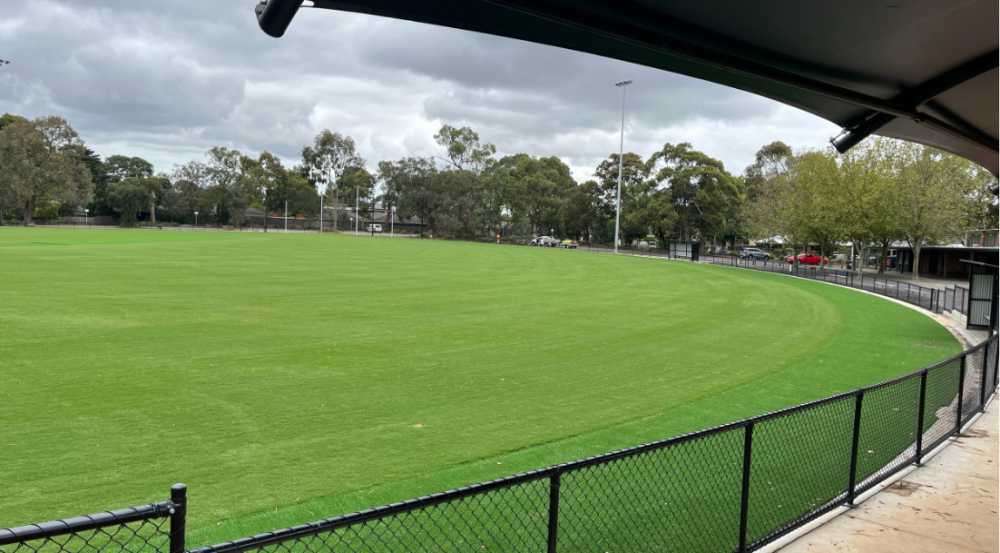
x=948 y=505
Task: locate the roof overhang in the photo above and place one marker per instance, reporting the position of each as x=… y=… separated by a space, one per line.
x=918 y=70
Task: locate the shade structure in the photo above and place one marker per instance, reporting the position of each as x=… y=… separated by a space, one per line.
x=919 y=70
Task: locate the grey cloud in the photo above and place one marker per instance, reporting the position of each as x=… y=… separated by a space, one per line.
x=167 y=80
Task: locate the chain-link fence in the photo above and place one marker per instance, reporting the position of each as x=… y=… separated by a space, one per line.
x=737 y=487
x=154 y=528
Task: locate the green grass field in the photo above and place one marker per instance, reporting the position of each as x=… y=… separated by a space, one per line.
x=287 y=378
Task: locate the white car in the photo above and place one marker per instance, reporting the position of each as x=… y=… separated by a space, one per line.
x=546 y=241
x=373 y=228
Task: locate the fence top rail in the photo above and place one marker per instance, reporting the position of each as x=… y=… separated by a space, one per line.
x=53 y=528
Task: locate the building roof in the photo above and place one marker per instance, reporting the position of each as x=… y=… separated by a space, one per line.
x=919 y=70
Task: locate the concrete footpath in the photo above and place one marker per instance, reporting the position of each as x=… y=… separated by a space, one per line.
x=948 y=505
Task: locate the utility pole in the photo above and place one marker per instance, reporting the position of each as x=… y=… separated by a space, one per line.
x=286 y=216
x=621 y=155
x=265 y=209
x=357 y=209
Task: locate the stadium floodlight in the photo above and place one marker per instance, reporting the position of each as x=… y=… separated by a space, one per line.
x=621 y=154
x=195 y=218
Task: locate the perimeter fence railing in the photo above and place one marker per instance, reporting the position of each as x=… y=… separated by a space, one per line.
x=736 y=487
x=954 y=298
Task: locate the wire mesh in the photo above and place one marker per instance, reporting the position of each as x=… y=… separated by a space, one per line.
x=682 y=498
x=972 y=385
x=941 y=403
x=888 y=435
x=141 y=536
x=800 y=467
x=513 y=518
x=991 y=368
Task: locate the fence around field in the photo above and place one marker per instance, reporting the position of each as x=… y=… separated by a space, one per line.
x=735 y=487
x=953 y=298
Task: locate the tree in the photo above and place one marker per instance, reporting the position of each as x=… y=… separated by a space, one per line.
x=99 y=178
x=820 y=199
x=356 y=182
x=129 y=197
x=40 y=164
x=327 y=159
x=981 y=210
x=159 y=189
x=872 y=201
x=225 y=175
x=634 y=173
x=706 y=198
x=463 y=150
x=119 y=168
x=415 y=185
x=933 y=202
x=539 y=189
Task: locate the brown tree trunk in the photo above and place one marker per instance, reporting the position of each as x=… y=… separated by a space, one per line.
x=152 y=212
x=916 y=261
x=29 y=211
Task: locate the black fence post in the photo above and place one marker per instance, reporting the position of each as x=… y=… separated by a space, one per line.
x=745 y=499
x=178 y=516
x=982 y=384
x=851 y=485
x=920 y=418
x=961 y=390
x=553 y=512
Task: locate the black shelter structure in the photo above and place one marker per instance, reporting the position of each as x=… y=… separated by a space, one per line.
x=918 y=70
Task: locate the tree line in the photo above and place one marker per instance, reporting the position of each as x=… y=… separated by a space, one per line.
x=881 y=192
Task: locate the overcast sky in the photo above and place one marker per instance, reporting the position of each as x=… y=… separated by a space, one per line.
x=166 y=80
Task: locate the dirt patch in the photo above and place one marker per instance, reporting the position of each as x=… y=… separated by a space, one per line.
x=904 y=488
x=975 y=433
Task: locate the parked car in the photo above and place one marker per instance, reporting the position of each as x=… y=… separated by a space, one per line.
x=376 y=227
x=809 y=259
x=753 y=253
x=569 y=244
x=546 y=241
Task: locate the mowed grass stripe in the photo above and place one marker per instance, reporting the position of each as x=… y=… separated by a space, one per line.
x=267 y=371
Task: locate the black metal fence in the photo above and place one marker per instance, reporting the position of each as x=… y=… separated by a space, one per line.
x=736 y=487
x=154 y=528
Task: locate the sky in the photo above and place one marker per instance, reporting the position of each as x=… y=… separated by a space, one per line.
x=166 y=80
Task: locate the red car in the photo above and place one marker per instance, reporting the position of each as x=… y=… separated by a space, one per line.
x=809 y=259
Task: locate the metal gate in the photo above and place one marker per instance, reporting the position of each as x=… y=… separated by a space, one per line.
x=982 y=291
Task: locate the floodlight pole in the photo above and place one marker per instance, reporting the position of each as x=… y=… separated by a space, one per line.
x=621 y=154
x=357 y=209
x=286 y=216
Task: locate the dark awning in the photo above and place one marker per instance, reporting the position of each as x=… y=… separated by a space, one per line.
x=920 y=70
